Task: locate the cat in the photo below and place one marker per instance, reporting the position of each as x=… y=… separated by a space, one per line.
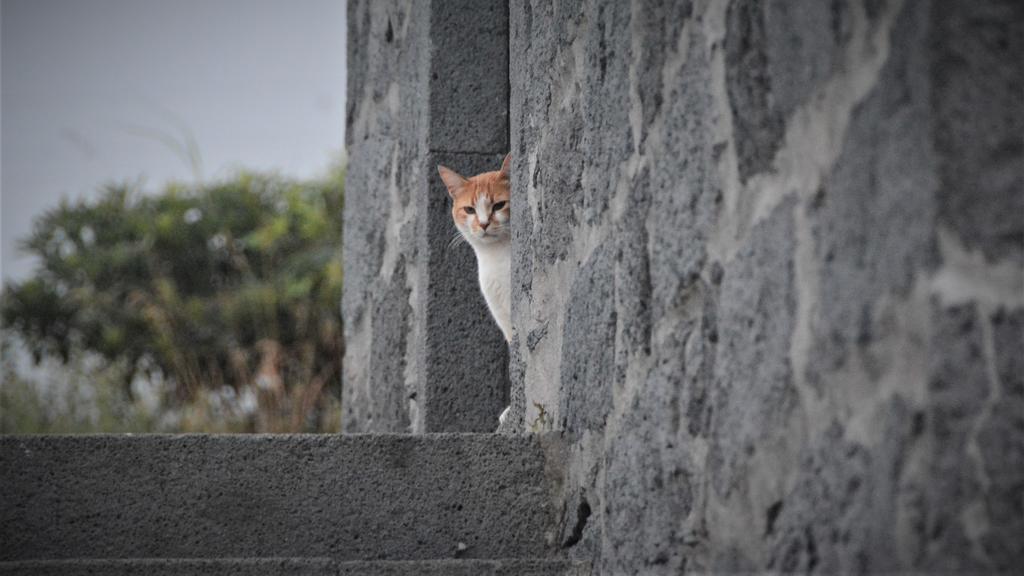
x=481 y=211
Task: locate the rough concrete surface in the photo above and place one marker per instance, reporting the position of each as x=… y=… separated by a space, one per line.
x=768 y=277
x=386 y=78
x=289 y=566
x=427 y=84
x=766 y=271
x=172 y=567
x=358 y=497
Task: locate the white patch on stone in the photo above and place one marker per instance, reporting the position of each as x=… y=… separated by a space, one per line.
x=967 y=276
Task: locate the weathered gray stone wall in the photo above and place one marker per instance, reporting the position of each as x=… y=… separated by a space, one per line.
x=768 y=268
x=428 y=84
x=769 y=279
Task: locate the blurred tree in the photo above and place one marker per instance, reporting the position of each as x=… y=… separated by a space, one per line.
x=230 y=289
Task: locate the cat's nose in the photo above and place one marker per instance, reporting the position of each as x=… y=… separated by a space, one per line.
x=484 y=225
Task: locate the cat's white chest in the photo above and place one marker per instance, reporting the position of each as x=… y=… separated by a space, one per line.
x=495 y=270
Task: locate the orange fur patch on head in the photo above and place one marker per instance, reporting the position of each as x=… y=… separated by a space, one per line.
x=480 y=205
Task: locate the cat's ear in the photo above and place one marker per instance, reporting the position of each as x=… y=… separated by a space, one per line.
x=506 y=165
x=452 y=180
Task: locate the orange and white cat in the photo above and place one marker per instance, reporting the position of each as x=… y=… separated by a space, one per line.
x=480 y=210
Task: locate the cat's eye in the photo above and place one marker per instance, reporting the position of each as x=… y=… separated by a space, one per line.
x=469 y=210
x=499 y=205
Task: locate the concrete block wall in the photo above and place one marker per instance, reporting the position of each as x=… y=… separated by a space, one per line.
x=428 y=85
x=768 y=268
x=768 y=274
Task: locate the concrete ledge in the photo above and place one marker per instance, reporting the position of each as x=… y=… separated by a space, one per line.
x=288 y=566
x=172 y=567
x=358 y=497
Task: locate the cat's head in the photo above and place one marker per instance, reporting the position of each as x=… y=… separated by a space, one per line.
x=480 y=206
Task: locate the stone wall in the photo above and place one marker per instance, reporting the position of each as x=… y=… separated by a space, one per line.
x=428 y=85
x=768 y=277
x=768 y=268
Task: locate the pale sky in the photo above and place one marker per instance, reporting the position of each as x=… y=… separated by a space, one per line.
x=90 y=87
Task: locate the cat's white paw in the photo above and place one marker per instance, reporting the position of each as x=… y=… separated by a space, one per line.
x=504 y=415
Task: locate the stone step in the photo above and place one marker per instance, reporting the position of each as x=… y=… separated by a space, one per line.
x=291 y=566
x=343 y=497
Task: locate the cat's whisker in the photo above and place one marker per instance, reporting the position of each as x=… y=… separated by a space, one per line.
x=456 y=240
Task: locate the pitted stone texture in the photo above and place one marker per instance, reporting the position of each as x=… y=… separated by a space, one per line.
x=542 y=38
x=756 y=211
x=754 y=395
x=428 y=84
x=557 y=180
x=547 y=178
x=522 y=276
x=778 y=315
x=776 y=54
x=466 y=382
x=839 y=514
x=172 y=567
x=658 y=31
x=364 y=236
x=633 y=281
x=289 y=566
x=469 y=83
x=1008 y=336
x=873 y=218
x=650 y=487
x=386 y=148
x=604 y=93
x=685 y=193
x=979 y=126
x=344 y=497
x=665 y=308
x=958 y=389
x=389 y=326
x=1001 y=443
x=758 y=123
x=587 y=360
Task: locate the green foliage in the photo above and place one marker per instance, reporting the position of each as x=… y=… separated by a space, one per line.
x=228 y=288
